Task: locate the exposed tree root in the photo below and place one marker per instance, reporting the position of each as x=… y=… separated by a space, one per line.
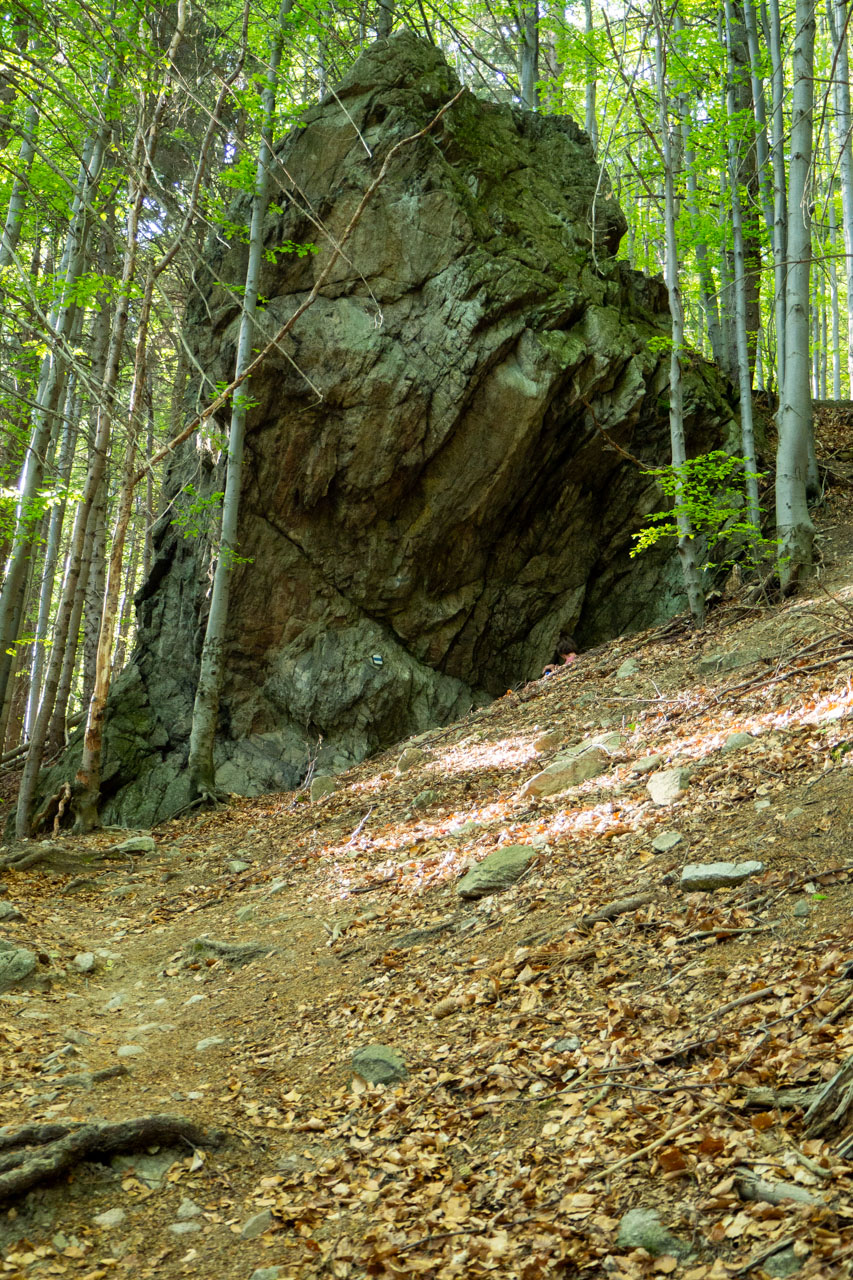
x=39 y=1153
x=55 y=857
x=205 y=800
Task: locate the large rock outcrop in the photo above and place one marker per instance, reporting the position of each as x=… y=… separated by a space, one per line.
x=430 y=502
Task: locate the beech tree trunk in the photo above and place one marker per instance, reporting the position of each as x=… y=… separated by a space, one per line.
x=528 y=55
x=206 y=706
x=741 y=295
x=838 y=14
x=686 y=544
x=773 y=30
x=793 y=523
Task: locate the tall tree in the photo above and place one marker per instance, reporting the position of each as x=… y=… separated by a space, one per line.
x=794 y=527
x=206 y=706
x=690 y=570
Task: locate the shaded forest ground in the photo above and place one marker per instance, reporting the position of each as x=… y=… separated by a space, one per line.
x=562 y=1070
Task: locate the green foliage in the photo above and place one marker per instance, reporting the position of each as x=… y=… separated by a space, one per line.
x=193 y=519
x=710 y=491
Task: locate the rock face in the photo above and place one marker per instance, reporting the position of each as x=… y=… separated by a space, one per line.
x=430 y=505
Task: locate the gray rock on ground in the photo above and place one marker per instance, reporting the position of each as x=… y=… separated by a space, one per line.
x=568 y=771
x=782 y=1264
x=497 y=872
x=698 y=877
x=666 y=840
x=110 y=1218
x=322 y=784
x=17 y=965
x=379 y=1064
x=136 y=844
x=643 y=1229
x=646 y=764
x=411 y=758
x=720 y=663
x=668 y=785
x=256 y=1225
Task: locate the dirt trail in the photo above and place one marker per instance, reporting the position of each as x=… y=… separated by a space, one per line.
x=560 y=1072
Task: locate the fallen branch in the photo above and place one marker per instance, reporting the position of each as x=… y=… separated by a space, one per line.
x=751 y=1187
x=831 y=1103
x=722 y=934
x=836 y=1013
x=751 y=997
x=690 y=1123
x=61 y=1146
x=618 y=908
x=770 y=1252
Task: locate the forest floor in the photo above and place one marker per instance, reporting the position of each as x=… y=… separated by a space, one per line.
x=562 y=1070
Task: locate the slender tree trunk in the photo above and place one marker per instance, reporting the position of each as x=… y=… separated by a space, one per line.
x=833 y=276
x=772 y=26
x=704 y=270
x=838 y=15
x=49 y=393
x=793 y=522
x=87 y=783
x=148 y=505
x=741 y=109
x=686 y=543
x=10 y=727
x=124 y=613
x=211 y=670
x=528 y=54
x=11 y=234
x=729 y=362
x=57 y=728
x=740 y=284
x=96 y=578
x=385 y=19
x=590 y=121
x=51 y=552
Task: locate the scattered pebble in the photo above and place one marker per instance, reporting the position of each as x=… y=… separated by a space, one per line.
x=647 y=764
x=257 y=1225
x=666 y=840
x=188 y=1209
x=184 y=1228
x=110 y=1218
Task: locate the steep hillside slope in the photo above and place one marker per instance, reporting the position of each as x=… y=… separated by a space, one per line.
x=596 y=1038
